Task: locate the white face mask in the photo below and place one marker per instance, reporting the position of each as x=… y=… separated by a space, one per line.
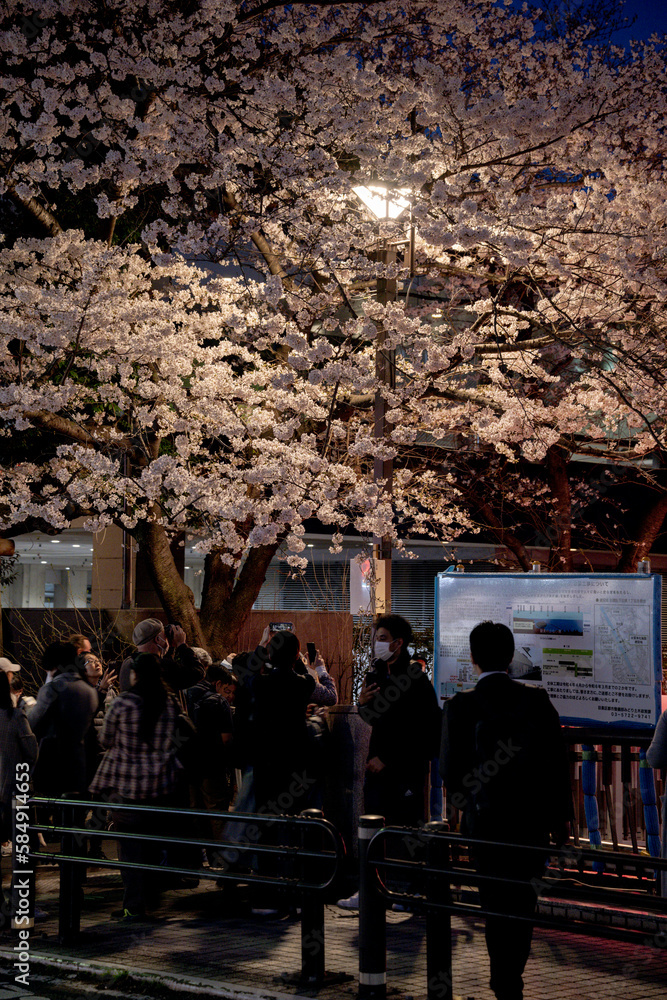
x=383 y=650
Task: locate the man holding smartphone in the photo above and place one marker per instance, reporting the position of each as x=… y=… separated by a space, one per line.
x=180 y=667
x=400 y=704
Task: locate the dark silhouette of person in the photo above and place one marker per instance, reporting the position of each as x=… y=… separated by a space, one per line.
x=504 y=764
x=399 y=703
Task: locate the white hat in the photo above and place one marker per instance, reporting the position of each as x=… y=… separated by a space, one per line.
x=8 y=666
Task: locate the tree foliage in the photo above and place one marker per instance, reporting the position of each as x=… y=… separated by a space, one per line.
x=190 y=332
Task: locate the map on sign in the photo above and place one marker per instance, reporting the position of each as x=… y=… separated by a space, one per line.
x=624 y=640
x=592 y=640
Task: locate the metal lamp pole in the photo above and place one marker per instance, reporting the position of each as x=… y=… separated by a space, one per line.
x=385 y=370
x=384 y=204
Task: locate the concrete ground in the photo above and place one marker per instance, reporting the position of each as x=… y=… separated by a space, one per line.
x=203 y=943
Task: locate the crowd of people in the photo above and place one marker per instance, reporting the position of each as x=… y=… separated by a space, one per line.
x=172 y=728
x=169 y=728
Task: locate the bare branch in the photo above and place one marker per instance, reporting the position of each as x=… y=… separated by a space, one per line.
x=34 y=208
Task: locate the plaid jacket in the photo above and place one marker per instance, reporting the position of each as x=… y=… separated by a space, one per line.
x=132 y=769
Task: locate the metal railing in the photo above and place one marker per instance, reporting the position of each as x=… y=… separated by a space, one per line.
x=429 y=870
x=615 y=763
x=438 y=867
x=304 y=860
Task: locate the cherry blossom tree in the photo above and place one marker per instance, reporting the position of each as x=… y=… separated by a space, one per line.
x=191 y=337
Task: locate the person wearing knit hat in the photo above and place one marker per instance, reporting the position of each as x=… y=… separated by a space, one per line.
x=147 y=631
x=180 y=666
x=149 y=637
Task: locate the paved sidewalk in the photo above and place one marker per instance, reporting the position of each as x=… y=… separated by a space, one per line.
x=206 y=947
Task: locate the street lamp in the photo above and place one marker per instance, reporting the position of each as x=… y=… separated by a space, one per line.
x=386 y=204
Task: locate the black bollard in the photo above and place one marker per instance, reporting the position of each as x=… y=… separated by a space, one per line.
x=438 y=922
x=372 y=925
x=69 y=916
x=312 y=908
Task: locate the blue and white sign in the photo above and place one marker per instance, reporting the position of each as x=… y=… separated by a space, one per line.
x=592 y=640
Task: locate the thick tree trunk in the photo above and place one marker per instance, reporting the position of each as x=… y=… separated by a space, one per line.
x=218 y=583
x=227 y=599
x=649 y=526
x=226 y=603
x=175 y=596
x=7 y=548
x=505 y=536
x=560 y=552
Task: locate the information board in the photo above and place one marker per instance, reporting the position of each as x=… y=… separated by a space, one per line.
x=592 y=640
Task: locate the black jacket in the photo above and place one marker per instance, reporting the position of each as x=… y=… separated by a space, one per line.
x=212 y=717
x=60 y=718
x=504 y=761
x=405 y=718
x=180 y=669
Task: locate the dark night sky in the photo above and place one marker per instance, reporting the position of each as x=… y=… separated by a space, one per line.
x=651 y=17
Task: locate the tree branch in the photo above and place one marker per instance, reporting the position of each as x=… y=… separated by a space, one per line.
x=76 y=432
x=505 y=536
x=38 y=212
x=647 y=530
x=273 y=261
x=61 y=425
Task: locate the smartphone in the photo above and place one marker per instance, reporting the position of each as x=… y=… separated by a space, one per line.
x=281 y=626
x=376 y=676
x=312 y=652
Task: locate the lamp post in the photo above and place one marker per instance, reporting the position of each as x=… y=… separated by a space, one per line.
x=384 y=204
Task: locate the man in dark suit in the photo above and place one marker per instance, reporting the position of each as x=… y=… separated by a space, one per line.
x=504 y=764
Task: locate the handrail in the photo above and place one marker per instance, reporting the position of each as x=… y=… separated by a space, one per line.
x=336 y=855
x=319 y=846
x=621 y=913
x=566 y=851
x=611 y=895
